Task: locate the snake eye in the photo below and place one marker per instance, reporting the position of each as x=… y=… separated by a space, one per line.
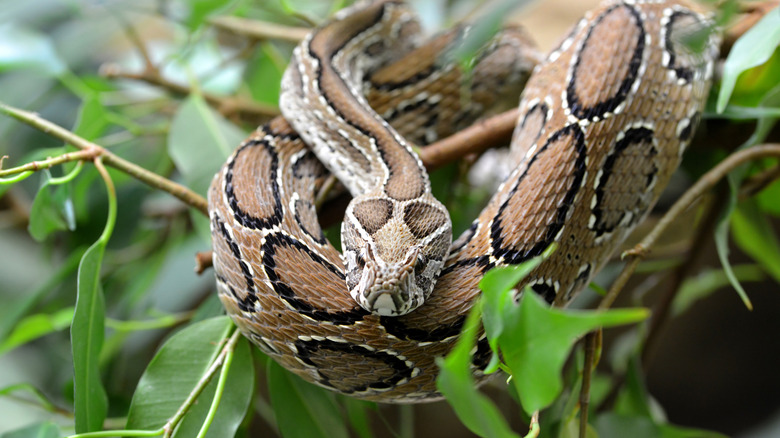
x=419 y=267
x=361 y=262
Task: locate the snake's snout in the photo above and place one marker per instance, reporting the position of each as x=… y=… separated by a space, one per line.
x=389 y=289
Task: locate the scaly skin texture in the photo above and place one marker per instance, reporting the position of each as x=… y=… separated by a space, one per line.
x=604 y=121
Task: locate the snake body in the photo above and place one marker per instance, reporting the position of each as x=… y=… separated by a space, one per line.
x=603 y=123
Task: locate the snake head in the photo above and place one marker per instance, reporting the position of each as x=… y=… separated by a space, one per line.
x=392 y=280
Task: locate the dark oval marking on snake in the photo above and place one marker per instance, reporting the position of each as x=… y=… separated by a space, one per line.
x=423 y=219
x=245 y=219
x=680 y=42
x=606 y=105
x=373 y=214
x=285 y=292
x=632 y=199
x=401 y=371
x=515 y=255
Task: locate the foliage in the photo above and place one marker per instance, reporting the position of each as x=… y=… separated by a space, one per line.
x=103 y=324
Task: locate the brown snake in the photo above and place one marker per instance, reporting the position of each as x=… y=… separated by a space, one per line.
x=604 y=121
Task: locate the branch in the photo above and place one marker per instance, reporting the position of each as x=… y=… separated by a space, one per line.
x=704 y=184
x=485 y=134
x=152 y=179
x=226 y=105
x=260 y=30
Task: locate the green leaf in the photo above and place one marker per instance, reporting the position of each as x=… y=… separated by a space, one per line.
x=767 y=199
x=456 y=383
x=500 y=281
x=38 y=430
x=236 y=396
x=302 y=409
x=722 y=236
x=754 y=48
x=199 y=141
x=537 y=339
x=754 y=235
x=265 y=69
x=708 y=281
x=92 y=121
x=86 y=337
x=36 y=326
x=52 y=210
x=174 y=371
x=14 y=310
x=357 y=413
x=21 y=47
x=200 y=10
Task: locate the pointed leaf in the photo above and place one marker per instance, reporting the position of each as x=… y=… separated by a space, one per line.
x=86 y=337
x=754 y=48
x=237 y=394
x=537 y=339
x=722 y=236
x=174 y=371
x=199 y=141
x=36 y=326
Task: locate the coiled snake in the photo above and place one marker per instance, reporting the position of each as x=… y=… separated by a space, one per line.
x=604 y=121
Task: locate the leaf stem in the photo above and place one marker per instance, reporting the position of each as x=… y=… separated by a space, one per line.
x=229 y=351
x=86 y=154
x=170 y=426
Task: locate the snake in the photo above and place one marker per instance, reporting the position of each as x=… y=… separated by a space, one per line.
x=603 y=123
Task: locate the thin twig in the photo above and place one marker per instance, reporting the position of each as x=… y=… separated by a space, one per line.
x=85 y=154
x=226 y=105
x=183 y=193
x=260 y=30
x=704 y=184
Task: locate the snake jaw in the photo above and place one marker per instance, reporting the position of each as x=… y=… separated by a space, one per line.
x=388 y=289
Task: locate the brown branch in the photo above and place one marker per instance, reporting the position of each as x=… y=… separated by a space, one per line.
x=260 y=30
x=483 y=135
x=203 y=261
x=183 y=193
x=690 y=197
x=226 y=105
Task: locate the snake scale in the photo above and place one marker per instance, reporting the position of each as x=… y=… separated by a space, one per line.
x=604 y=120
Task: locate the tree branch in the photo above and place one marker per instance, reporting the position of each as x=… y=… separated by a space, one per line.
x=261 y=30
x=152 y=179
x=226 y=105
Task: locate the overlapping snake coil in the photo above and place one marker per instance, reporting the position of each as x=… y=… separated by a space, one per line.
x=604 y=121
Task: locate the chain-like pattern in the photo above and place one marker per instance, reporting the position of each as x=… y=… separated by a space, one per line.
x=604 y=122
